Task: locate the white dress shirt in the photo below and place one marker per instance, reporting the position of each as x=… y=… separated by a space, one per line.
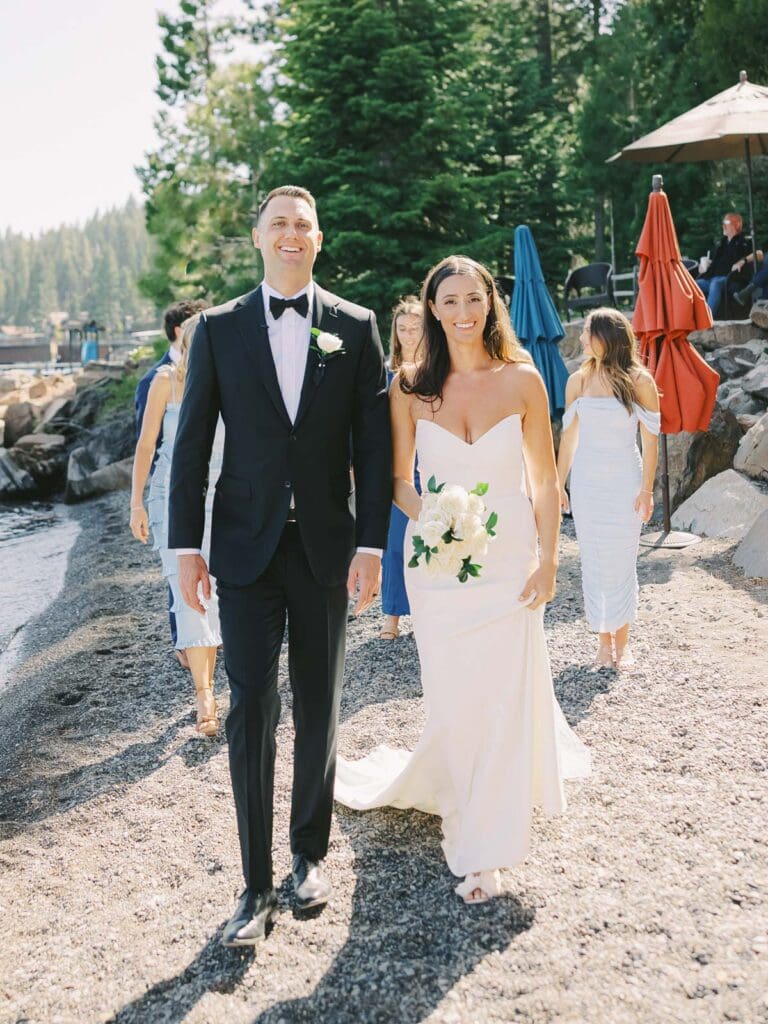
x=289 y=338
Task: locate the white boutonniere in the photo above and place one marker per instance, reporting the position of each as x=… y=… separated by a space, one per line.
x=327 y=345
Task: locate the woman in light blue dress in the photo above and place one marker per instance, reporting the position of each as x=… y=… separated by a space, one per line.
x=404 y=339
x=611 y=491
x=198 y=635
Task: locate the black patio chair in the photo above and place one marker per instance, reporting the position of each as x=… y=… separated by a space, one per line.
x=595 y=276
x=692 y=266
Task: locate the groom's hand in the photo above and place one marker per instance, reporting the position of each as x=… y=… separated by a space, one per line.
x=364 y=579
x=193 y=571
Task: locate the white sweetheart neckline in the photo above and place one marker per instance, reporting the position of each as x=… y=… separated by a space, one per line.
x=470 y=444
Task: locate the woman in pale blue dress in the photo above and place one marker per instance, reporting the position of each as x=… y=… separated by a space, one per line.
x=611 y=490
x=198 y=635
x=404 y=340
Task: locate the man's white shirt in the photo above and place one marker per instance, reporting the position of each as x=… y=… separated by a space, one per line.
x=289 y=338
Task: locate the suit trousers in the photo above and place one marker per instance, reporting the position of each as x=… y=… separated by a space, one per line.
x=253 y=619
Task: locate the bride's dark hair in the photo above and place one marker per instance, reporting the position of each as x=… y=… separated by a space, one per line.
x=499 y=338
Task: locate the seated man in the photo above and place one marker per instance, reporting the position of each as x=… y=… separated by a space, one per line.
x=731 y=250
x=758 y=286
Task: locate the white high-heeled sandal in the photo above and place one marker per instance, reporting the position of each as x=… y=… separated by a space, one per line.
x=488 y=882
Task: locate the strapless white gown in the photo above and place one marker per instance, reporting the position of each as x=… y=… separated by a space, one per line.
x=495 y=743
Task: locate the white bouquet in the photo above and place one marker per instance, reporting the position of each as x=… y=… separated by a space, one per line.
x=454 y=529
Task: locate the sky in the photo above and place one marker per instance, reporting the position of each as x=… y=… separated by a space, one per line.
x=77 y=101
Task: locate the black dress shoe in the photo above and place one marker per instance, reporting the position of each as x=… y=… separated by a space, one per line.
x=310 y=885
x=744 y=297
x=248 y=924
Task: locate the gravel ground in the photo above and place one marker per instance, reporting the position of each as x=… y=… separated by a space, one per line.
x=644 y=903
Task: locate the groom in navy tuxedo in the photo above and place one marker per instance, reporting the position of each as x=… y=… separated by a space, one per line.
x=291 y=537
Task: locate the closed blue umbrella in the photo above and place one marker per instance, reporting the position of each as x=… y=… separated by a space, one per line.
x=535 y=319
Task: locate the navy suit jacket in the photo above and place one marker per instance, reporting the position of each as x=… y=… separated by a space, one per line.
x=267 y=458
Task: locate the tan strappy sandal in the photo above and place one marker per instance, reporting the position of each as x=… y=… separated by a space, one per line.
x=208 y=725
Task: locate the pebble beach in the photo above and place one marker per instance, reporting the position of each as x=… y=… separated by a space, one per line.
x=645 y=903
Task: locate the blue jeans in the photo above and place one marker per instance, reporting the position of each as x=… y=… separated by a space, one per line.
x=713 y=289
x=759 y=283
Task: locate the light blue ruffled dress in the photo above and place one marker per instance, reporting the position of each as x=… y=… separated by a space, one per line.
x=192 y=629
x=605 y=481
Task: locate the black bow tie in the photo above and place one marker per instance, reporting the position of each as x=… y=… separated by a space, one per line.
x=278 y=306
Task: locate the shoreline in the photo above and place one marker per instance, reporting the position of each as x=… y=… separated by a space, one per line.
x=120 y=860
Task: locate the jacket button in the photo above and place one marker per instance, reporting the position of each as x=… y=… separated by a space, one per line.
x=287 y=483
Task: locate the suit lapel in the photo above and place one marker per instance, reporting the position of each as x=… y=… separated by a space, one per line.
x=324 y=315
x=252 y=325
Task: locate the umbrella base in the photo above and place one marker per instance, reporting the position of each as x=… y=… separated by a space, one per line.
x=671 y=540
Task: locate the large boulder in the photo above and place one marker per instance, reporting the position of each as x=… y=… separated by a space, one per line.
x=731 y=396
x=43 y=457
x=570 y=346
x=752 y=456
x=19 y=420
x=752 y=554
x=725 y=506
x=694 y=458
x=83 y=484
x=15 y=482
x=14 y=380
x=759 y=313
x=736 y=360
x=723 y=333
x=756 y=381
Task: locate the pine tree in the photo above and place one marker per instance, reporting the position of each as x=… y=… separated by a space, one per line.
x=375 y=135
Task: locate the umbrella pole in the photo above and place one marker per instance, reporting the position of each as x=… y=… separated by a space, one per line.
x=668 y=538
x=748 y=158
x=665 y=485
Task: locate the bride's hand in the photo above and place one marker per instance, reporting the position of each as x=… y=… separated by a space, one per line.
x=541 y=584
x=565 y=504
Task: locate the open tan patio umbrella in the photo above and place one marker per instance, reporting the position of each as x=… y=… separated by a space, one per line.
x=731 y=125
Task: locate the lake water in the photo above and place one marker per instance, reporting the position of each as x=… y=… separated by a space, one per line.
x=35 y=541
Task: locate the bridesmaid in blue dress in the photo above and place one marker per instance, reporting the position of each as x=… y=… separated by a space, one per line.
x=198 y=635
x=404 y=340
x=611 y=489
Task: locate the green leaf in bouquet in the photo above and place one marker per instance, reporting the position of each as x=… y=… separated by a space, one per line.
x=447 y=537
x=414 y=562
x=491 y=523
x=479 y=490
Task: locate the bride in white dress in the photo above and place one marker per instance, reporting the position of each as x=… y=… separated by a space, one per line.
x=495 y=743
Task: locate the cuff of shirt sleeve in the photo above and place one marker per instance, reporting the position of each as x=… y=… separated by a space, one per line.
x=186 y=551
x=371 y=551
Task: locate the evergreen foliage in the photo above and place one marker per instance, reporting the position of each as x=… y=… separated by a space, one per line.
x=93 y=270
x=426 y=127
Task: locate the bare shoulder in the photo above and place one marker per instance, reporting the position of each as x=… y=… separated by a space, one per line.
x=646 y=389
x=162 y=381
x=575 y=385
x=526 y=381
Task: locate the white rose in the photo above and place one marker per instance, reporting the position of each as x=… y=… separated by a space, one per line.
x=328 y=343
x=454 y=500
x=461 y=548
x=428 y=504
x=476 y=505
x=467 y=525
x=432 y=531
x=478 y=543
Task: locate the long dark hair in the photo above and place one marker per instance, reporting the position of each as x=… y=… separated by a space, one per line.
x=499 y=338
x=407 y=306
x=619 y=363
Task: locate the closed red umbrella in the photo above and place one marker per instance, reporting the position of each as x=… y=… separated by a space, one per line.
x=669 y=306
